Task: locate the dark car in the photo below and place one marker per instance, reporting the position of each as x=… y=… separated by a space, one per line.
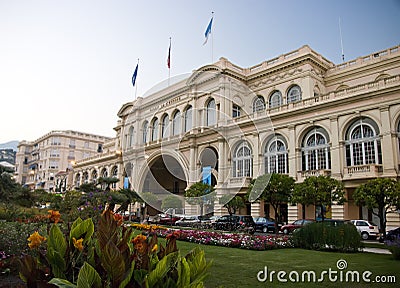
x=289 y=228
x=266 y=224
x=332 y=222
x=391 y=235
x=243 y=223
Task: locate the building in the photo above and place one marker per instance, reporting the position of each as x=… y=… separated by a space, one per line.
x=7 y=155
x=41 y=163
x=297 y=114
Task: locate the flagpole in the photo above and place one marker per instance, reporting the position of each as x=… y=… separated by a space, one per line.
x=169 y=61
x=341 y=39
x=212 y=40
x=136 y=83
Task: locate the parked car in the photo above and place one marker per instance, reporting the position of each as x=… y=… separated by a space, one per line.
x=166 y=219
x=391 y=235
x=289 y=228
x=265 y=224
x=367 y=229
x=188 y=221
x=243 y=223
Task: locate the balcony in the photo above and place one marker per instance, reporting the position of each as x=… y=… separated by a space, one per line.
x=239 y=182
x=362 y=171
x=301 y=175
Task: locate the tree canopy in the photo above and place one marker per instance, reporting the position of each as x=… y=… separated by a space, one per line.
x=200 y=193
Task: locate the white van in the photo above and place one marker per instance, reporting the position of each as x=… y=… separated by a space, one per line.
x=367 y=229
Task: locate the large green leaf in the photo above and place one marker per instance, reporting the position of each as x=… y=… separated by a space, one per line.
x=198 y=265
x=161 y=270
x=128 y=276
x=85 y=228
x=76 y=222
x=56 y=240
x=57 y=262
x=88 y=277
x=183 y=273
x=62 y=283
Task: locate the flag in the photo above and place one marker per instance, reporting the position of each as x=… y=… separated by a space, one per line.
x=208 y=31
x=169 y=55
x=135 y=75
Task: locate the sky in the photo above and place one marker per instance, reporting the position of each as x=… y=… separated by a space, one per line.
x=67 y=65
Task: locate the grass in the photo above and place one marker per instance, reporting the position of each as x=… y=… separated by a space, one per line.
x=238 y=267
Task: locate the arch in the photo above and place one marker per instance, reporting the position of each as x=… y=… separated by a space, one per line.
x=94 y=175
x=154 y=131
x=211 y=112
x=145 y=131
x=130 y=139
x=188 y=115
x=176 y=122
x=363 y=143
x=258 y=104
x=293 y=94
x=342 y=87
x=165 y=126
x=275 y=99
x=315 y=150
x=104 y=172
x=85 y=177
x=382 y=76
x=276 y=156
x=242 y=160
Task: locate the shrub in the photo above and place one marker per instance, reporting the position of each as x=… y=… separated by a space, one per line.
x=321 y=236
x=394 y=246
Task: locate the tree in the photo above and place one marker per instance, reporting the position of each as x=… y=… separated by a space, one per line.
x=381 y=194
x=199 y=194
x=131 y=197
x=231 y=203
x=319 y=191
x=107 y=181
x=171 y=201
x=274 y=189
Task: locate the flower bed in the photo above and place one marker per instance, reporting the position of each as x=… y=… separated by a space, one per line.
x=234 y=240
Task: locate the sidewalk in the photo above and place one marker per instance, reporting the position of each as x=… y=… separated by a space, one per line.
x=377 y=250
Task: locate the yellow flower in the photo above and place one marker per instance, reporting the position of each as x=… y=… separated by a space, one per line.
x=78 y=243
x=155 y=248
x=35 y=240
x=139 y=239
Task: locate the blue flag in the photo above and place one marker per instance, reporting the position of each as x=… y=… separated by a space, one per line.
x=207 y=175
x=135 y=75
x=208 y=31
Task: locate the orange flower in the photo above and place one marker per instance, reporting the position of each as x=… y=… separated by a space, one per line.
x=118 y=218
x=173 y=235
x=78 y=243
x=155 y=248
x=54 y=216
x=139 y=239
x=35 y=240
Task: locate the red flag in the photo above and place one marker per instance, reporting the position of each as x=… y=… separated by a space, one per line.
x=169 y=55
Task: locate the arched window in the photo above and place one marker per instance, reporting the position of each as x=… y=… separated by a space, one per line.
x=145 y=132
x=104 y=173
x=242 y=161
x=188 y=119
x=154 y=132
x=276 y=156
x=275 y=99
x=94 y=176
x=114 y=174
x=294 y=94
x=78 y=180
x=85 y=177
x=259 y=104
x=165 y=127
x=315 y=150
x=176 y=123
x=211 y=115
x=131 y=136
x=362 y=143
x=235 y=111
x=398 y=134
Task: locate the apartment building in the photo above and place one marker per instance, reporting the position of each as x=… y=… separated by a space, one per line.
x=42 y=163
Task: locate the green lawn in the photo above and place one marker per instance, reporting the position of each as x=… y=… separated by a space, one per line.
x=238 y=267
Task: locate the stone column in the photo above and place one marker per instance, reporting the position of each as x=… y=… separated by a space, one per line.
x=336 y=160
x=292 y=152
x=388 y=151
